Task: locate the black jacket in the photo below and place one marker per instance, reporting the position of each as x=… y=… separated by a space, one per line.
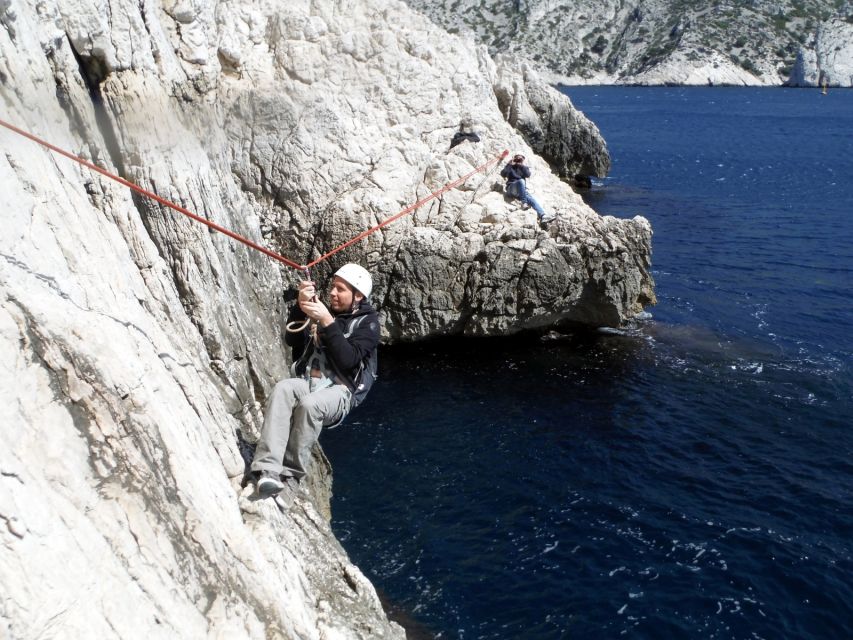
x=461 y=136
x=350 y=344
x=513 y=172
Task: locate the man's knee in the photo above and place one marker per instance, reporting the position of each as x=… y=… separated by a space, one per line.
x=325 y=407
x=313 y=407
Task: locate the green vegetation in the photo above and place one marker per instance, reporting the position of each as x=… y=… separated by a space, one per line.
x=600 y=45
x=748 y=65
x=655 y=54
x=798 y=10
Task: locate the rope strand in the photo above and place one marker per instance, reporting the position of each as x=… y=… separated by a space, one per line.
x=409 y=209
x=236 y=236
x=153 y=196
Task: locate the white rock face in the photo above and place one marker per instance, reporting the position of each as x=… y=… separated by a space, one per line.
x=649 y=42
x=829 y=61
x=135 y=342
x=710 y=69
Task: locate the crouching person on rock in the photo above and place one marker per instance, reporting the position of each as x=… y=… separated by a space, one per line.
x=334 y=368
x=516 y=174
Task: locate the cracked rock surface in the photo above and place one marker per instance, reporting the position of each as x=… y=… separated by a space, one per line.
x=134 y=342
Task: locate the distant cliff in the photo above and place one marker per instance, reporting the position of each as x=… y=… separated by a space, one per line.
x=691 y=42
x=136 y=343
x=828 y=60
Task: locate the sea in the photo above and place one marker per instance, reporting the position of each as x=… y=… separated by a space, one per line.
x=687 y=476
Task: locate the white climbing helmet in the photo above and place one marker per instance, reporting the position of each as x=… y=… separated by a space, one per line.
x=357 y=277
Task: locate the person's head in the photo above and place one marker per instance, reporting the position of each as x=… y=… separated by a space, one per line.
x=518 y=159
x=351 y=284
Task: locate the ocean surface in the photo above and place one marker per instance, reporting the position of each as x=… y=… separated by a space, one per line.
x=688 y=477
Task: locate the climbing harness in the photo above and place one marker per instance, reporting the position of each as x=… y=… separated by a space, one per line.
x=235 y=236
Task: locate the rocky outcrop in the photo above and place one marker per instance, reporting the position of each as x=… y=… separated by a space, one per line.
x=829 y=60
x=646 y=42
x=136 y=342
x=549 y=123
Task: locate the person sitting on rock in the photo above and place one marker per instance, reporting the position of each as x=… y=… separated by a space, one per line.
x=333 y=370
x=464 y=133
x=516 y=173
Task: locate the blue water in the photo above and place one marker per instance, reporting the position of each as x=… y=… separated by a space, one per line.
x=689 y=477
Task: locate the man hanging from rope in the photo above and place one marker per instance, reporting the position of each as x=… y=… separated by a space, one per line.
x=334 y=367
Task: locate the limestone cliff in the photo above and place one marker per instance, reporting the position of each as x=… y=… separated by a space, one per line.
x=135 y=342
x=647 y=42
x=826 y=60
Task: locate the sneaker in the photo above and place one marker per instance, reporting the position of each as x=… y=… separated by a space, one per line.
x=548 y=217
x=268 y=485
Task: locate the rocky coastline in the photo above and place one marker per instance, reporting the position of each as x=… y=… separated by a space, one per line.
x=663 y=42
x=137 y=343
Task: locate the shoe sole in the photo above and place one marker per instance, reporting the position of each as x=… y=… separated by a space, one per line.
x=268 y=489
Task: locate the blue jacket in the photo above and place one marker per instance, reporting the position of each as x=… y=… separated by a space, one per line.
x=514 y=172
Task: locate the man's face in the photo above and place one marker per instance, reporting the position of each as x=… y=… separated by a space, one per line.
x=341 y=296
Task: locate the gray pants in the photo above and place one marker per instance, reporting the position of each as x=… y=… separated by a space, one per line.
x=293 y=420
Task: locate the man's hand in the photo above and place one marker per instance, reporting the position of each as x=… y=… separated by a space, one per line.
x=317 y=311
x=312 y=307
x=307 y=292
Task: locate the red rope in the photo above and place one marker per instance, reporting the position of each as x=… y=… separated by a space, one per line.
x=409 y=209
x=236 y=236
x=154 y=196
